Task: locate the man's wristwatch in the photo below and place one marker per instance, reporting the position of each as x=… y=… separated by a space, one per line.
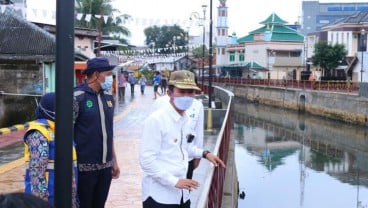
x=204 y=154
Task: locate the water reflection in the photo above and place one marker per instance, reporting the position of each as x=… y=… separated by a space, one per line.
x=288 y=160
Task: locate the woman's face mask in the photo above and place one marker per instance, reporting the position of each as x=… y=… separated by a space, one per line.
x=107 y=84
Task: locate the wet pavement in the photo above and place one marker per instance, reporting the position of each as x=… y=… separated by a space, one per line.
x=128 y=123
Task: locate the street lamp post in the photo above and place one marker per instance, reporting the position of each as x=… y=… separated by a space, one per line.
x=202 y=22
x=187 y=65
x=153 y=47
x=174 y=39
x=204 y=7
x=210 y=60
x=362 y=36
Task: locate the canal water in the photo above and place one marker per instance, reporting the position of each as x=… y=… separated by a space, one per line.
x=285 y=159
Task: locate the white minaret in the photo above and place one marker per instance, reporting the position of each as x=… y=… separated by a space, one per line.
x=221 y=34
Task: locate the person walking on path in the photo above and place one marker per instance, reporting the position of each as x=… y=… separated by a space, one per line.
x=121 y=85
x=113 y=85
x=165 y=146
x=93 y=134
x=132 y=81
x=142 y=82
x=156 y=83
x=163 y=84
x=39 y=155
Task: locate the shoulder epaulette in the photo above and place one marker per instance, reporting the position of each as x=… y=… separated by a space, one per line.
x=78 y=92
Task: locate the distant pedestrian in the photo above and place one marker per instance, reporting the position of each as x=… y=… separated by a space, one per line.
x=142 y=82
x=39 y=154
x=93 y=135
x=122 y=82
x=132 y=81
x=165 y=146
x=156 y=83
x=163 y=84
x=114 y=85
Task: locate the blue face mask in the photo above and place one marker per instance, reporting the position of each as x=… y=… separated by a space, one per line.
x=107 y=84
x=183 y=103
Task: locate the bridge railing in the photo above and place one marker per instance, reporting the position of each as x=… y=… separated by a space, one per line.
x=211 y=195
x=334 y=86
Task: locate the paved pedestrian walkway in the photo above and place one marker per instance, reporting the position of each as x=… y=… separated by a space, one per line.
x=126 y=191
x=128 y=123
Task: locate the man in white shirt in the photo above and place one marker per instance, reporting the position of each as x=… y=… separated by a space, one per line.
x=166 y=146
x=195 y=114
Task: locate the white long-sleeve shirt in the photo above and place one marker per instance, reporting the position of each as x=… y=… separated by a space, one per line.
x=163 y=155
x=196 y=115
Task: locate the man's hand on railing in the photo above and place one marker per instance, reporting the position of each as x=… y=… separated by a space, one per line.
x=213 y=159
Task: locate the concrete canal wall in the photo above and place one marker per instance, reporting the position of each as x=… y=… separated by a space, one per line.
x=350 y=108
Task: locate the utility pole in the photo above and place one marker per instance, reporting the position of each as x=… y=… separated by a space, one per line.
x=64 y=102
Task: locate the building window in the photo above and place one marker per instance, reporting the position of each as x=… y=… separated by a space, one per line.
x=331 y=37
x=223 y=51
x=295 y=53
x=337 y=37
x=347 y=41
x=232 y=56
x=241 y=56
x=342 y=37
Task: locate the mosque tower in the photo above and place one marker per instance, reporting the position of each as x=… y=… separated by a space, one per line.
x=221 y=34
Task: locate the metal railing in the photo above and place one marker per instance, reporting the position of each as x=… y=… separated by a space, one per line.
x=332 y=86
x=211 y=195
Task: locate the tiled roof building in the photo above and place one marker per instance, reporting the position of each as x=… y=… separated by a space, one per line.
x=275 y=30
x=277 y=49
x=20 y=39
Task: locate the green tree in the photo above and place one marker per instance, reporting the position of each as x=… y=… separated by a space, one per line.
x=198 y=52
x=113 y=26
x=163 y=37
x=328 y=56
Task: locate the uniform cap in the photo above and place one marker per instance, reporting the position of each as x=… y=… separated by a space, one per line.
x=99 y=64
x=183 y=79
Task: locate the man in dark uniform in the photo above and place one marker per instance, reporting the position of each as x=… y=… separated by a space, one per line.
x=93 y=134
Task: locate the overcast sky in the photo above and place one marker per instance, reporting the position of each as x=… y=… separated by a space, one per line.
x=243 y=15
